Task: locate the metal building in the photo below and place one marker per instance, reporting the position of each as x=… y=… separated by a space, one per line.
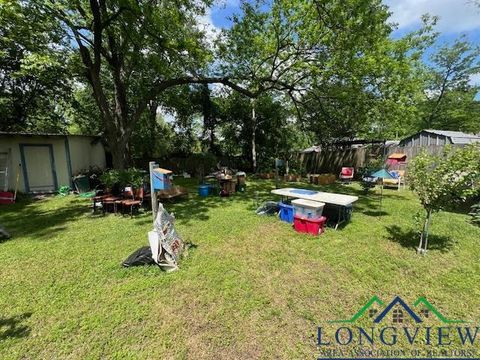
x=431 y=137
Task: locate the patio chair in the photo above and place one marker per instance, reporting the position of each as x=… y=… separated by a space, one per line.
x=97 y=200
x=398 y=179
x=135 y=202
x=111 y=202
x=346 y=175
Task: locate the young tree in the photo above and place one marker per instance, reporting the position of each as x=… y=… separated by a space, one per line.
x=442 y=181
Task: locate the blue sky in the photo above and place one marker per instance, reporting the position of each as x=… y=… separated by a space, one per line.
x=456 y=17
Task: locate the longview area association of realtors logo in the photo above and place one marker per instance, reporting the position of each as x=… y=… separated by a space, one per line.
x=398 y=323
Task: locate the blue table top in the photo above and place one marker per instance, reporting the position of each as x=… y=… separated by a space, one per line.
x=303 y=192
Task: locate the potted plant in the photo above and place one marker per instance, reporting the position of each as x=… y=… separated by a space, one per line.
x=110 y=180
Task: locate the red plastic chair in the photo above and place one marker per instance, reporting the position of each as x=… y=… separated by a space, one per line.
x=346 y=174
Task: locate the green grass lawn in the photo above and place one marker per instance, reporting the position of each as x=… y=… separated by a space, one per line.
x=249 y=288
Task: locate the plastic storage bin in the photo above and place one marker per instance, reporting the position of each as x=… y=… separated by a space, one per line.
x=314 y=226
x=203 y=190
x=308 y=208
x=336 y=213
x=286 y=212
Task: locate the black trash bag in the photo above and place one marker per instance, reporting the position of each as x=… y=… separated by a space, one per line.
x=142 y=256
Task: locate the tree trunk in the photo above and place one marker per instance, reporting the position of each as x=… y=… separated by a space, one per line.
x=120 y=151
x=427 y=227
x=422 y=246
x=419 y=248
x=253 y=140
x=152 y=125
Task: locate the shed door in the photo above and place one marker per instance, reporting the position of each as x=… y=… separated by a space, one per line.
x=39 y=168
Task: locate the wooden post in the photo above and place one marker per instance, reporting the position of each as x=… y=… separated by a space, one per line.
x=153 y=195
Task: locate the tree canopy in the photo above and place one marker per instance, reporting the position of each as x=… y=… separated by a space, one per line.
x=34 y=76
x=312 y=70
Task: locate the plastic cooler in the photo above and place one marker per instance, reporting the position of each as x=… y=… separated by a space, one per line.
x=314 y=226
x=203 y=190
x=308 y=208
x=286 y=212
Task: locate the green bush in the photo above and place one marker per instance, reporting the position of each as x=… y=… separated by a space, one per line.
x=443 y=181
x=122 y=178
x=110 y=178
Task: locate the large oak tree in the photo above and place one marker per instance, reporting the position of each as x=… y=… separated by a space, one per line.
x=132 y=51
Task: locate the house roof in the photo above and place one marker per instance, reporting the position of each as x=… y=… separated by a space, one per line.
x=26 y=133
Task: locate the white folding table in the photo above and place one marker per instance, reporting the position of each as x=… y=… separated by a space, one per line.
x=339 y=200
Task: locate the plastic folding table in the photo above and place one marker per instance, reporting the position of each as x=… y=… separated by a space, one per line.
x=339 y=200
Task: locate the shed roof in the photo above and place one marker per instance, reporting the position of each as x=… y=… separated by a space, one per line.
x=457 y=137
x=26 y=133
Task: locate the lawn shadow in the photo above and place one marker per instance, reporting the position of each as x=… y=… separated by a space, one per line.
x=197 y=208
x=12 y=327
x=375 y=213
x=25 y=218
x=410 y=239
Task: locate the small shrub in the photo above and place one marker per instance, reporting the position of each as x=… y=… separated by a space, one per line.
x=122 y=178
x=110 y=178
x=442 y=181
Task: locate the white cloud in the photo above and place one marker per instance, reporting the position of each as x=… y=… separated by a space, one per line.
x=227 y=3
x=454 y=15
x=205 y=23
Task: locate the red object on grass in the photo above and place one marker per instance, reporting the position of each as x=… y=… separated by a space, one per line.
x=347 y=171
x=314 y=226
x=7 y=197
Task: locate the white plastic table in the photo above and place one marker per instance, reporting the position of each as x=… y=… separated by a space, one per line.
x=340 y=200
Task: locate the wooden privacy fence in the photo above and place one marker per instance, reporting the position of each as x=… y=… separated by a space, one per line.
x=197 y=165
x=331 y=160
